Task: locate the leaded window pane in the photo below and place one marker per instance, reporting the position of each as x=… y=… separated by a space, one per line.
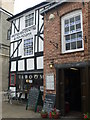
x=79 y=44
x=79 y=35
x=72 y=28
x=71 y=20
x=67 y=37
x=73 y=36
x=77 y=18
x=66 y=22
x=78 y=26
x=66 y=29
x=68 y=46
x=29 y=20
x=28 y=47
x=73 y=45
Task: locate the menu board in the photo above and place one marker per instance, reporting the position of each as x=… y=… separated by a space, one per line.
x=33 y=99
x=49 y=102
x=50 y=81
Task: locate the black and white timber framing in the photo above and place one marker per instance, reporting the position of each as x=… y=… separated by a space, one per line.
x=26 y=71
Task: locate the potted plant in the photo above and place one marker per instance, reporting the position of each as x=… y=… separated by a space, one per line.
x=86 y=116
x=55 y=113
x=44 y=114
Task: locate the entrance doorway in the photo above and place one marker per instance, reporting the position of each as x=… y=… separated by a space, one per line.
x=68 y=90
x=72 y=90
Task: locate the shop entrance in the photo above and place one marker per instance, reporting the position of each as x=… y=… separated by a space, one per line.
x=68 y=90
x=72 y=90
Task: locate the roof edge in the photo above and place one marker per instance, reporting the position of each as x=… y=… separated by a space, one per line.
x=1 y=9
x=27 y=10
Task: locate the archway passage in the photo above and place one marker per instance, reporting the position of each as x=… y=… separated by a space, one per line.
x=72 y=90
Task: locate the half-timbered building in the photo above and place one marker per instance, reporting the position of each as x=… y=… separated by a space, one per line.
x=26 y=49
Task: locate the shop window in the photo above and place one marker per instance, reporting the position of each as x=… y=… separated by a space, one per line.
x=28 y=47
x=72 y=32
x=12 y=79
x=29 y=20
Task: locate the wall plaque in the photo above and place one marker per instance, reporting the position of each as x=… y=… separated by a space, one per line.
x=50 y=81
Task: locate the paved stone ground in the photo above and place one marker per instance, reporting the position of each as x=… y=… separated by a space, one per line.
x=17 y=110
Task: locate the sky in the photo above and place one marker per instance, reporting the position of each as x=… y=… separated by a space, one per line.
x=21 y=5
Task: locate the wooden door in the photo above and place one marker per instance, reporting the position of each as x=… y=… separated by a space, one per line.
x=60 y=102
x=84 y=88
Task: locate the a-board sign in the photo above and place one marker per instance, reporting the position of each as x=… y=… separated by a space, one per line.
x=33 y=99
x=49 y=102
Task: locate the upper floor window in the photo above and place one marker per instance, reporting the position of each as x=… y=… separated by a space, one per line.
x=29 y=20
x=72 y=32
x=28 y=47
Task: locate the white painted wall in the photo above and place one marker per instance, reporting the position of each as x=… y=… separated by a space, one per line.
x=15 y=46
x=21 y=65
x=40 y=62
x=40 y=44
x=20 y=49
x=11 y=49
x=30 y=64
x=12 y=29
x=22 y=23
x=13 y=66
x=17 y=23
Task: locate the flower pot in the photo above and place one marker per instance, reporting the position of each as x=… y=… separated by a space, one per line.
x=44 y=115
x=55 y=116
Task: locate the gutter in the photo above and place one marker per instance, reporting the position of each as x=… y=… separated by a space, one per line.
x=53 y=6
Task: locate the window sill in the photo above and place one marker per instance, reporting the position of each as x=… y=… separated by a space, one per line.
x=28 y=56
x=72 y=51
x=32 y=26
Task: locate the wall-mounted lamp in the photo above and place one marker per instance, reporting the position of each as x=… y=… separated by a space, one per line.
x=85 y=39
x=51 y=64
x=51 y=16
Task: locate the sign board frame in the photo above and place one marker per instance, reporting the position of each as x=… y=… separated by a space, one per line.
x=50 y=81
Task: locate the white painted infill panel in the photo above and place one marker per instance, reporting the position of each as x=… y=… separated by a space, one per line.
x=20 y=49
x=22 y=23
x=13 y=66
x=17 y=23
x=36 y=20
x=12 y=29
x=30 y=64
x=36 y=44
x=21 y=65
x=15 y=46
x=40 y=20
x=40 y=44
x=40 y=62
x=11 y=49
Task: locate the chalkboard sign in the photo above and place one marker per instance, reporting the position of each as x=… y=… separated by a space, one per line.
x=33 y=99
x=49 y=102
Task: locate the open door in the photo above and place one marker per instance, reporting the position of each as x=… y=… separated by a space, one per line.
x=60 y=102
x=84 y=89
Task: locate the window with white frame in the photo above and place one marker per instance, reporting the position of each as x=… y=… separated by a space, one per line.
x=72 y=32
x=29 y=20
x=28 y=47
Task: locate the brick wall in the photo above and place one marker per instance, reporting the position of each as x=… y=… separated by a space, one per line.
x=52 y=33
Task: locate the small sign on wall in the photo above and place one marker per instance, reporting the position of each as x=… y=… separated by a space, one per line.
x=50 y=81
